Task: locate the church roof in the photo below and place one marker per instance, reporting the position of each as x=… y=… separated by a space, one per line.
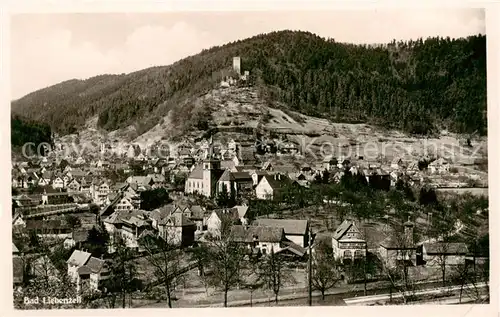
x=197 y=172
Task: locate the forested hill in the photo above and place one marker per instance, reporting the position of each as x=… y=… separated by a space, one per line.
x=417 y=86
x=26 y=131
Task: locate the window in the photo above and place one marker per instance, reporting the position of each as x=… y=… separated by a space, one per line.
x=347 y=254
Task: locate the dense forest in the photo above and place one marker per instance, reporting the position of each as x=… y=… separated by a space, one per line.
x=418 y=86
x=24 y=131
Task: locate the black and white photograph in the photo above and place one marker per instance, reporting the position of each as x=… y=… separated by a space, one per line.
x=211 y=158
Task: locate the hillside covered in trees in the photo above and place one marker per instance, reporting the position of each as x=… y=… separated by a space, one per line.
x=417 y=86
x=24 y=131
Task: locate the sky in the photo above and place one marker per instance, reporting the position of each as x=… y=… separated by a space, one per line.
x=50 y=48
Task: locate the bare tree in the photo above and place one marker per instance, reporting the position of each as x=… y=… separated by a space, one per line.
x=163 y=255
x=272 y=273
x=225 y=261
x=460 y=276
x=477 y=283
x=326 y=272
x=122 y=271
x=397 y=269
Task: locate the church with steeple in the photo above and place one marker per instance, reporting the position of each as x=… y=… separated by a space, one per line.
x=203 y=179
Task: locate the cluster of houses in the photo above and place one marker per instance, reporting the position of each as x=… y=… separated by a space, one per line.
x=349 y=244
x=53 y=189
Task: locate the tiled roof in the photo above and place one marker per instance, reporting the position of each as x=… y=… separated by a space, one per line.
x=257 y=233
x=162 y=212
x=157 y=177
x=344 y=226
x=197 y=172
x=139 y=180
x=445 y=248
x=227 y=176
x=241 y=176
x=227 y=164
x=84 y=270
x=197 y=212
x=78 y=258
x=134 y=220
x=275 y=183
x=95 y=265
x=179 y=220
x=291 y=226
x=245 y=168
x=294 y=248
x=286 y=169
x=231 y=213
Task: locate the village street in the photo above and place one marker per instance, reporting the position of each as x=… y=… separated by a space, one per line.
x=290 y=296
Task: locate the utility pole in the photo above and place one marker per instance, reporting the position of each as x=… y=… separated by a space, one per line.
x=310 y=269
x=365 y=260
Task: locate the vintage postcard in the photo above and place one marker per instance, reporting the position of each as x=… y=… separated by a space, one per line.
x=211 y=158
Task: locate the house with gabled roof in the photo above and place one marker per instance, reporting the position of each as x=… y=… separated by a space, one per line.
x=74 y=185
x=129 y=224
x=177 y=229
x=246 y=156
x=160 y=214
x=216 y=218
x=86 y=270
x=45 y=179
x=267 y=166
x=140 y=180
x=234 y=182
x=42 y=266
x=76 y=239
x=257 y=176
x=157 y=180
x=285 y=169
x=440 y=165
x=259 y=238
x=439 y=253
x=242 y=213
x=125 y=203
x=296 y=231
x=228 y=165
x=100 y=192
x=398 y=247
x=58 y=183
x=271 y=186
x=348 y=242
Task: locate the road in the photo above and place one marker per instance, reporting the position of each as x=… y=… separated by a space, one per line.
x=334 y=297
x=366 y=300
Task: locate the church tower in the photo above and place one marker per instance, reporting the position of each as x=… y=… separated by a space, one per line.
x=210 y=165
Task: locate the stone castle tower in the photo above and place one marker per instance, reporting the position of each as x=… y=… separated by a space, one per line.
x=237 y=64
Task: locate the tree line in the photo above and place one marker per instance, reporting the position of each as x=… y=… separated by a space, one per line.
x=418 y=86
